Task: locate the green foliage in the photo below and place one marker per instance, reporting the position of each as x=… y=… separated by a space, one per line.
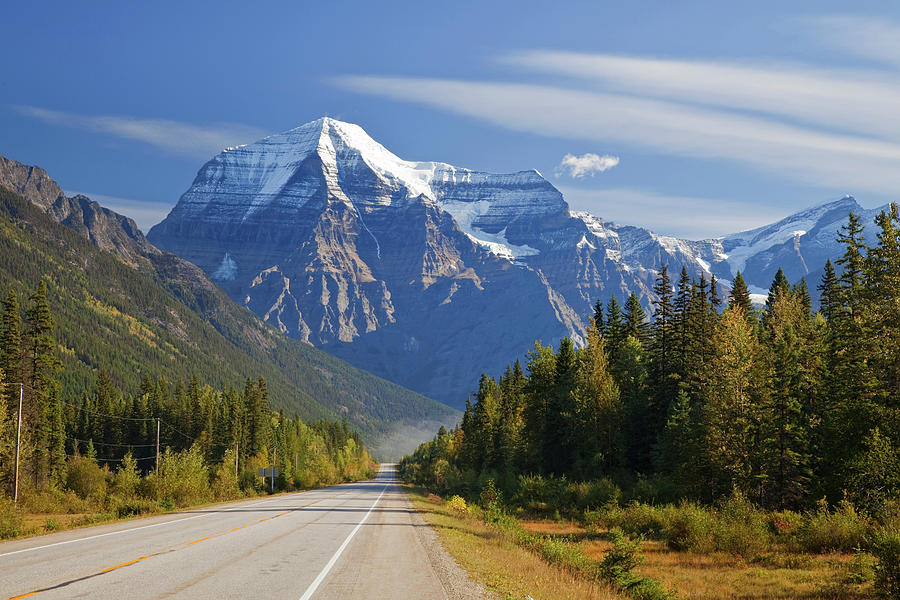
x=10 y=518
x=182 y=478
x=86 y=478
x=617 y=568
x=843 y=528
x=886 y=548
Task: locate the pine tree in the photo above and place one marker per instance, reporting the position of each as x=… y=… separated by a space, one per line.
x=740 y=297
x=598 y=315
x=662 y=353
x=614 y=327
x=635 y=319
x=829 y=292
x=40 y=365
x=779 y=284
x=11 y=353
x=560 y=417
x=539 y=389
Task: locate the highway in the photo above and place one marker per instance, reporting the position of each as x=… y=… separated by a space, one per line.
x=360 y=540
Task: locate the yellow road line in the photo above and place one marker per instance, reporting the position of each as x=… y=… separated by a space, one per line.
x=198 y=541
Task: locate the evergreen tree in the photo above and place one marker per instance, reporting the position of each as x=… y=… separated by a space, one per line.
x=614 y=327
x=740 y=298
x=11 y=353
x=539 y=389
x=560 y=417
x=635 y=319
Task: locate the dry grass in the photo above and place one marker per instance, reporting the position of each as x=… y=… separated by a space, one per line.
x=722 y=576
x=507 y=570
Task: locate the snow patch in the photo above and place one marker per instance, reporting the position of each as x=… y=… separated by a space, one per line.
x=227 y=269
x=465 y=213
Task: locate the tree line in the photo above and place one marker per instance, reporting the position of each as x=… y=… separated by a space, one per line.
x=782 y=403
x=112 y=428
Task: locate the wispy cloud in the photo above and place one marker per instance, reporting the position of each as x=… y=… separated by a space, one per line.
x=874 y=38
x=185 y=139
x=814 y=156
x=145 y=213
x=859 y=101
x=683 y=216
x=586 y=164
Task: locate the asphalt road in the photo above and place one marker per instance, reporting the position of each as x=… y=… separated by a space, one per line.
x=350 y=541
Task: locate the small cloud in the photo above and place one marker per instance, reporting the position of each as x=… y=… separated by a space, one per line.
x=586 y=164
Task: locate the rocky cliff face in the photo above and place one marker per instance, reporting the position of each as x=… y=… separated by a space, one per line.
x=421 y=272
x=429 y=274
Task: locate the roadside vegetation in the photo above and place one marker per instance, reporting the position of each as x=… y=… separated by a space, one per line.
x=95 y=459
x=736 y=438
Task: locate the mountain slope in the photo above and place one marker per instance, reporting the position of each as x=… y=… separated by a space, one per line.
x=429 y=274
x=137 y=310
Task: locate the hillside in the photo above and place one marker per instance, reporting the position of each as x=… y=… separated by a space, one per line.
x=158 y=315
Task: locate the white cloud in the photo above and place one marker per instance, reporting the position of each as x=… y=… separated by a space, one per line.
x=145 y=213
x=875 y=38
x=686 y=217
x=586 y=164
x=858 y=101
x=819 y=158
x=186 y=139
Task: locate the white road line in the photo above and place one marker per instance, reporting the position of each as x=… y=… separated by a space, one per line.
x=100 y=535
x=324 y=573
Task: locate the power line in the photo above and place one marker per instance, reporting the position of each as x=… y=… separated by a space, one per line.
x=110 y=444
x=99 y=414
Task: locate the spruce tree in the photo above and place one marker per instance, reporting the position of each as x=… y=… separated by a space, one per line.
x=635 y=319
x=11 y=353
x=740 y=297
x=560 y=418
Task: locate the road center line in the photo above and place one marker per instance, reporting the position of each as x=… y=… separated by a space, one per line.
x=324 y=573
x=100 y=535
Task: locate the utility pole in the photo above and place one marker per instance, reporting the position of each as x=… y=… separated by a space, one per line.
x=235 y=458
x=274 y=455
x=157 y=446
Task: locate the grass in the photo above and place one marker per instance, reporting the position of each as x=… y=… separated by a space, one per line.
x=512 y=571
x=721 y=575
x=506 y=569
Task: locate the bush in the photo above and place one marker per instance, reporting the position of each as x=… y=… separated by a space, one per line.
x=134 y=508
x=617 y=567
x=533 y=492
x=182 y=478
x=690 y=528
x=642 y=519
x=127 y=478
x=86 y=478
x=843 y=529
x=886 y=548
x=10 y=518
x=594 y=494
x=741 y=528
x=458 y=505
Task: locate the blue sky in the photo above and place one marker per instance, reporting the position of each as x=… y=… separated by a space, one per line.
x=703 y=118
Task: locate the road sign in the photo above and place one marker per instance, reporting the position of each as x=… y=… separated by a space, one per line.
x=268 y=472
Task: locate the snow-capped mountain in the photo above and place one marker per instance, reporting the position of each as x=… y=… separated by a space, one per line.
x=426 y=273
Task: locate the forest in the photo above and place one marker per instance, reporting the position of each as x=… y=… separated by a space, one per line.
x=114 y=452
x=712 y=424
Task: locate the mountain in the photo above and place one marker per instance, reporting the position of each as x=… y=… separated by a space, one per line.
x=429 y=274
x=124 y=305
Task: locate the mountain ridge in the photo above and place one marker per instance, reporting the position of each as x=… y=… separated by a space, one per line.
x=170 y=299
x=395 y=265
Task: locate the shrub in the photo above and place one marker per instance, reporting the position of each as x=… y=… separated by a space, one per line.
x=458 y=505
x=617 y=567
x=594 y=494
x=127 y=478
x=533 y=492
x=886 y=548
x=133 y=508
x=86 y=478
x=643 y=519
x=10 y=518
x=182 y=478
x=51 y=524
x=690 y=528
x=741 y=528
x=842 y=529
